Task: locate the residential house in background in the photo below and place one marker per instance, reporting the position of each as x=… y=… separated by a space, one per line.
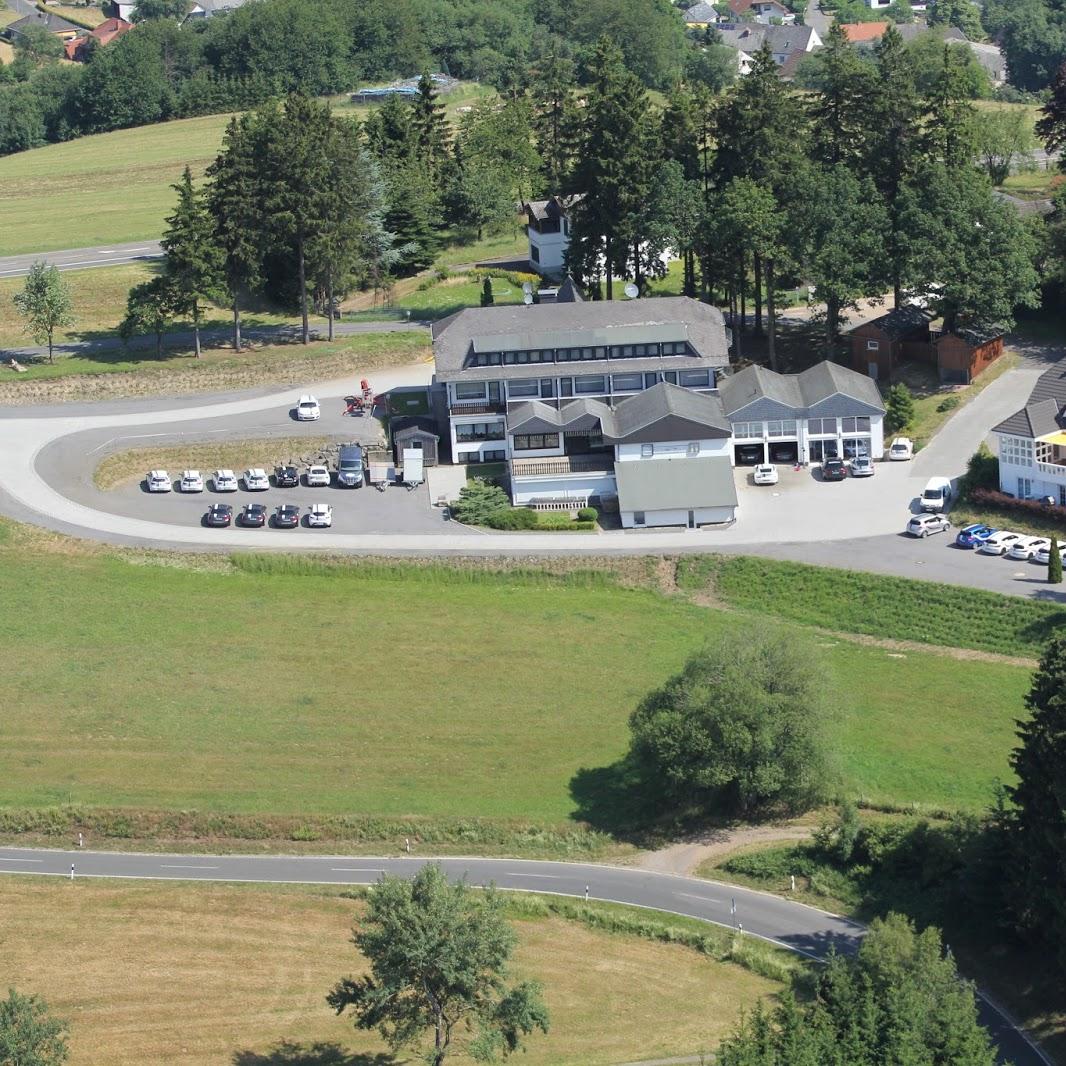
x=548 y=230
x=824 y=412
x=120 y=9
x=1032 y=443
x=204 y=9
x=54 y=24
x=109 y=30
x=988 y=55
x=762 y=11
x=701 y=14
x=789 y=44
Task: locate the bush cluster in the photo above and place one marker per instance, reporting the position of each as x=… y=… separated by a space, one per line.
x=1002 y=502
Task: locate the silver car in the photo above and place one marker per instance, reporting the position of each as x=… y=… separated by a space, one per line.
x=921 y=525
x=862 y=466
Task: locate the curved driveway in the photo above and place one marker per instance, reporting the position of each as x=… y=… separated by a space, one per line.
x=783 y=922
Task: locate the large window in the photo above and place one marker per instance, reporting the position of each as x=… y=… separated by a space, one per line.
x=694 y=379
x=469 y=390
x=818 y=426
x=675 y=348
x=626 y=382
x=590 y=384
x=786 y=427
x=530 y=442
x=523 y=388
x=479 y=431
x=861 y=424
x=1018 y=451
x=747 y=429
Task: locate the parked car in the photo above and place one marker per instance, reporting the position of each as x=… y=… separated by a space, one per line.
x=286 y=477
x=853 y=449
x=862 y=466
x=224 y=481
x=901 y=449
x=253 y=515
x=350 y=466
x=1024 y=547
x=765 y=474
x=191 y=481
x=307 y=409
x=320 y=515
x=834 y=470
x=936 y=495
x=287 y=516
x=318 y=475
x=999 y=543
x=256 y=480
x=749 y=454
x=1042 y=555
x=784 y=453
x=219 y=514
x=158 y=481
x=973 y=536
x=921 y=525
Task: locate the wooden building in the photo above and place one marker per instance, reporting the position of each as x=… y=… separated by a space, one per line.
x=878 y=346
x=964 y=353
x=414 y=432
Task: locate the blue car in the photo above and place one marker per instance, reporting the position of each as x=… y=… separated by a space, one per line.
x=974 y=536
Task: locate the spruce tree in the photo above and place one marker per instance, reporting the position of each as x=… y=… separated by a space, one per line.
x=840 y=109
x=612 y=167
x=555 y=118
x=1054 y=562
x=193 y=259
x=234 y=204
x=487 y=299
x=949 y=130
x=899 y=410
x=430 y=127
x=1039 y=822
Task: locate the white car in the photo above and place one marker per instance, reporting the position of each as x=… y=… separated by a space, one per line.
x=1042 y=554
x=921 y=525
x=999 y=543
x=191 y=481
x=320 y=515
x=307 y=409
x=901 y=449
x=158 y=481
x=224 y=481
x=1024 y=547
x=318 y=475
x=765 y=474
x=256 y=480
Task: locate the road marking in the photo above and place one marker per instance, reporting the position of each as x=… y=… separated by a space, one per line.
x=2 y=859
x=183 y=866
x=521 y=873
x=353 y=870
x=702 y=899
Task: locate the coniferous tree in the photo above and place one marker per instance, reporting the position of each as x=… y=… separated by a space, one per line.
x=612 y=168
x=193 y=259
x=840 y=109
x=679 y=142
x=29 y=1034
x=233 y=202
x=555 y=118
x=1039 y=822
x=894 y=149
x=430 y=128
x=949 y=130
x=1054 y=563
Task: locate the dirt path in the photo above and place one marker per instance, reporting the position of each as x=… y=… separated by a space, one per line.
x=685 y=856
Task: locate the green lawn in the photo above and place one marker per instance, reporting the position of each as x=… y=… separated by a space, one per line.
x=299 y=689
x=453 y=294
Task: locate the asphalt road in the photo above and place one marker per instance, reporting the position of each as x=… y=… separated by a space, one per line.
x=781 y=921
x=16 y=266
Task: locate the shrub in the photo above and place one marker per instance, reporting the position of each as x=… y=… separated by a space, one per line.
x=982 y=472
x=1000 y=500
x=899 y=409
x=948 y=403
x=1054 y=563
x=512 y=518
x=587 y=514
x=478 y=500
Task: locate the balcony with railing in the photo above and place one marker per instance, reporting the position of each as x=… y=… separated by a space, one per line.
x=481 y=407
x=562 y=464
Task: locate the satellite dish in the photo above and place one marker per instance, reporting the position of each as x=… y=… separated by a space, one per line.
x=632 y=291
x=527 y=298
x=527 y=288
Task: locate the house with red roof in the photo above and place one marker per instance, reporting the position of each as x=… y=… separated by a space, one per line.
x=109 y=30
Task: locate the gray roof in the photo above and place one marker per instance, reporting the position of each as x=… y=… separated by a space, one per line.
x=680 y=484
x=1045 y=411
x=701 y=12
x=976 y=336
x=591 y=323
x=413 y=426
x=749 y=37
x=798 y=392
x=538 y=417
x=46 y=20
x=900 y=321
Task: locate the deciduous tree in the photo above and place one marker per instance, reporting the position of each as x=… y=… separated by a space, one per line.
x=150 y=308
x=1051 y=126
x=999 y=138
x=739 y=730
x=438 y=956
x=29 y=1035
x=45 y=304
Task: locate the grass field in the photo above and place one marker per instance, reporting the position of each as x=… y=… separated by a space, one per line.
x=118 y=374
x=286 y=692
x=223 y=975
x=453 y=294
x=121 y=182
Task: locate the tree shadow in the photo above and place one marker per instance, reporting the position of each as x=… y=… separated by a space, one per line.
x=319 y=1053
x=1043 y=629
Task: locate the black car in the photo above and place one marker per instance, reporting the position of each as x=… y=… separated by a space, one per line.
x=219 y=514
x=286 y=477
x=834 y=470
x=749 y=454
x=254 y=514
x=287 y=516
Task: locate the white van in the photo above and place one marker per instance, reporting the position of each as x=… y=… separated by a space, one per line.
x=937 y=494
